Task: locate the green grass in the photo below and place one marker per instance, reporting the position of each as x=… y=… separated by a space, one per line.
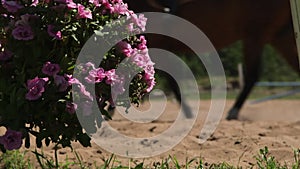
x=16 y=160
x=45 y=162
x=264 y=161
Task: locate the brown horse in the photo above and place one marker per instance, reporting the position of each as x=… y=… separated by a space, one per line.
x=255 y=22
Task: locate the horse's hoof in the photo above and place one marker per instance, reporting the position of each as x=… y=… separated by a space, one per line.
x=187 y=111
x=233 y=114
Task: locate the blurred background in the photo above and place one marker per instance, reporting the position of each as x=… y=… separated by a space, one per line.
x=273 y=69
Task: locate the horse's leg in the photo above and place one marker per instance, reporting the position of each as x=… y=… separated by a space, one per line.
x=252 y=60
x=176 y=90
x=285 y=44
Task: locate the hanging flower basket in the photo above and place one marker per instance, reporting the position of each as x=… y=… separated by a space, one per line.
x=39 y=45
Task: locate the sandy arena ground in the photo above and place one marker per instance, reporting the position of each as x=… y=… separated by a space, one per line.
x=275 y=124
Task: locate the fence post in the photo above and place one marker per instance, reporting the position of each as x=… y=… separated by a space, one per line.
x=295 y=7
x=241 y=76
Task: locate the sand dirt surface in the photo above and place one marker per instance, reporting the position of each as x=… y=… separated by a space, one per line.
x=275 y=124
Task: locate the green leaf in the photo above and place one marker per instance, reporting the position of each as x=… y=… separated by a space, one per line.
x=75 y=38
x=71 y=67
x=139 y=166
x=27 y=141
x=38 y=142
x=34 y=133
x=99 y=33
x=47 y=141
x=84 y=140
x=65 y=143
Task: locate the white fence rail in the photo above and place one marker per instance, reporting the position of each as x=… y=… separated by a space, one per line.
x=278 y=84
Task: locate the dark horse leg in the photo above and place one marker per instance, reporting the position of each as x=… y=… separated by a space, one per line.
x=176 y=90
x=285 y=44
x=252 y=51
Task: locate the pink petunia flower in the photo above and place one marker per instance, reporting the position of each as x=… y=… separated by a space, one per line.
x=23 y=30
x=150 y=84
x=107 y=6
x=50 y=69
x=69 y=3
x=56 y=34
x=111 y=76
x=35 y=88
x=139 y=20
x=125 y=48
x=84 y=13
x=34 y=2
x=149 y=68
x=61 y=82
x=11 y=6
x=142 y=46
x=140 y=59
x=11 y=139
x=149 y=76
x=71 y=107
x=23 y=33
x=120 y=8
x=95 y=2
x=72 y=80
x=95 y=75
x=130 y=27
x=81 y=87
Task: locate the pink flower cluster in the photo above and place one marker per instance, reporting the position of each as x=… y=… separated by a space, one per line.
x=82 y=88
x=112 y=6
x=141 y=58
x=83 y=13
x=137 y=20
x=51 y=69
x=22 y=30
x=99 y=74
x=36 y=86
x=137 y=55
